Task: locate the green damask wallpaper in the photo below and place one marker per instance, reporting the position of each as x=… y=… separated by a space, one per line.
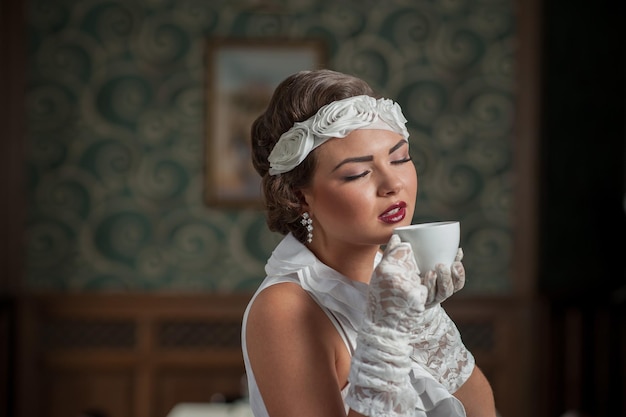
x=116 y=123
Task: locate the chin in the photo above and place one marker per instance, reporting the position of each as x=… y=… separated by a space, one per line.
x=385 y=239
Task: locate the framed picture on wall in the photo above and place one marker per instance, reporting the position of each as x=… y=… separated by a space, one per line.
x=241 y=77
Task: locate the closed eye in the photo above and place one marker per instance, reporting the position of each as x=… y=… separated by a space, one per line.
x=356 y=177
x=364 y=173
x=402 y=161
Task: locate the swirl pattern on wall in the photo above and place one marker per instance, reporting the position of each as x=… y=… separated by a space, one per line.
x=116 y=112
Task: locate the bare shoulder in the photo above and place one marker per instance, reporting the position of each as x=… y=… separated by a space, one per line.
x=292 y=346
x=283 y=310
x=282 y=298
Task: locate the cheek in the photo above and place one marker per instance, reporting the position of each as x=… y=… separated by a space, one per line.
x=412 y=181
x=346 y=199
x=338 y=207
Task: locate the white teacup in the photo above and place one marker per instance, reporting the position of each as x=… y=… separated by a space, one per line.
x=432 y=243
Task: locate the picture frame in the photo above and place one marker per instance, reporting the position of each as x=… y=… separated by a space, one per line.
x=241 y=77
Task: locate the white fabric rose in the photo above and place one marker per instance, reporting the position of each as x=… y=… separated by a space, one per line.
x=338 y=120
x=291 y=149
x=390 y=113
x=334 y=120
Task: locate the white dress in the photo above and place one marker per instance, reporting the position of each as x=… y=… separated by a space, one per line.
x=343 y=301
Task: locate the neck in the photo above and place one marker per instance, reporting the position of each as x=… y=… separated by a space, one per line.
x=356 y=262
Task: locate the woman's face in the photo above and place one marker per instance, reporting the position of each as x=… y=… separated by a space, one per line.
x=364 y=185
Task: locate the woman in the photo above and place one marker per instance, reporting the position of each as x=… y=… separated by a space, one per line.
x=338 y=328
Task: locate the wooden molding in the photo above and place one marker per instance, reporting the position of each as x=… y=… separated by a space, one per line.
x=160 y=350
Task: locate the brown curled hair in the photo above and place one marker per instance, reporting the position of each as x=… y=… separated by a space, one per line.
x=296 y=99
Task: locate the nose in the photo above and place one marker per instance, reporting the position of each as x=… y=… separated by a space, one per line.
x=391 y=182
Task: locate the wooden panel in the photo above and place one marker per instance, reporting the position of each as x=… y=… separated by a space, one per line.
x=70 y=393
x=129 y=355
x=196 y=385
x=140 y=355
x=495 y=330
x=583 y=364
x=6 y=356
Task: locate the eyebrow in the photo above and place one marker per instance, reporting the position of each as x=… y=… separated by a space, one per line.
x=369 y=157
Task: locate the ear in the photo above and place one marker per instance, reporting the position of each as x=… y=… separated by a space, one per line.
x=302 y=198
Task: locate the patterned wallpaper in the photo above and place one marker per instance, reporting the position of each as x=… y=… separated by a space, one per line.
x=116 y=132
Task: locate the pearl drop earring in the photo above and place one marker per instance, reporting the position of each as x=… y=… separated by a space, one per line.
x=308 y=223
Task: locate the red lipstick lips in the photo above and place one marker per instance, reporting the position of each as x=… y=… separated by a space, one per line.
x=394 y=214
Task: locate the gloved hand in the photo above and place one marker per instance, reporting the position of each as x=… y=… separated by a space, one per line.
x=443 y=281
x=437 y=344
x=379 y=378
x=438 y=348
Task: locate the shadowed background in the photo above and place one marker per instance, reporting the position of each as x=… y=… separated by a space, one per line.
x=117 y=131
x=122 y=289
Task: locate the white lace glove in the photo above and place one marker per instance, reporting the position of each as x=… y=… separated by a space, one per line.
x=443 y=281
x=379 y=378
x=438 y=348
x=437 y=344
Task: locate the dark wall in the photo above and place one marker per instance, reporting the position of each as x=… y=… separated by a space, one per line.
x=582 y=277
x=11 y=189
x=582 y=148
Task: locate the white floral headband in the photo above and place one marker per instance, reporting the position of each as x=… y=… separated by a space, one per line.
x=334 y=120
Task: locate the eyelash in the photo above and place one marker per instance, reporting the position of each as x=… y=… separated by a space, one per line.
x=402 y=161
x=361 y=175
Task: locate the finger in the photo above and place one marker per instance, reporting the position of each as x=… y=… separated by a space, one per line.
x=459 y=255
x=458 y=276
x=416 y=298
x=429 y=280
x=394 y=240
x=445 y=286
x=396 y=249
